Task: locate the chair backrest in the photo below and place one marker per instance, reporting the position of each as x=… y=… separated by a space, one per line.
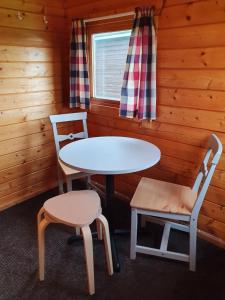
x=206 y=172
x=61 y=118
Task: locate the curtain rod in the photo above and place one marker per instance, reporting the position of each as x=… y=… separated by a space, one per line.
x=130 y=13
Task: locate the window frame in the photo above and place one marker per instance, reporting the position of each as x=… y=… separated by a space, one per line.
x=104 y=26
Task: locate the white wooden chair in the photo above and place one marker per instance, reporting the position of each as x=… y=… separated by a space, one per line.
x=63 y=169
x=75 y=209
x=163 y=201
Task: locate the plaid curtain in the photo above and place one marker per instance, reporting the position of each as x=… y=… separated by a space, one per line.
x=138 y=94
x=79 y=81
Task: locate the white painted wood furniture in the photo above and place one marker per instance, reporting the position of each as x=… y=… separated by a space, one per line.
x=65 y=170
x=110 y=155
x=164 y=201
x=75 y=209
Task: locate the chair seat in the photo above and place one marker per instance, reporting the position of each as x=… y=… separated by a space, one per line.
x=76 y=208
x=67 y=170
x=160 y=196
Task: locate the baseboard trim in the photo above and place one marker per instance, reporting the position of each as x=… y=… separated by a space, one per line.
x=211 y=238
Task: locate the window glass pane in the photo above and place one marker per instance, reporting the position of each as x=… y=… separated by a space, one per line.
x=109 y=59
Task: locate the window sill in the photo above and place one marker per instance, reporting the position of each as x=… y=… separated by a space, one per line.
x=105 y=102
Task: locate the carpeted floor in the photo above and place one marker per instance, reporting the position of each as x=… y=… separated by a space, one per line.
x=145 y=278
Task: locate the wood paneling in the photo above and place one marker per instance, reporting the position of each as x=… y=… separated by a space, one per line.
x=31 y=73
x=52 y=7
x=198 y=36
x=203 y=58
x=30 y=38
x=191 y=93
x=30 y=21
x=28 y=54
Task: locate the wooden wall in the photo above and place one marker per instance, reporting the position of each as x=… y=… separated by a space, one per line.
x=30 y=90
x=191 y=98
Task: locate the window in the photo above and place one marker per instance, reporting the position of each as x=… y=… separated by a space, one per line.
x=109 y=52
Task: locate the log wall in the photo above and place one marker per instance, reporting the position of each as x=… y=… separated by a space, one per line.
x=191 y=98
x=30 y=90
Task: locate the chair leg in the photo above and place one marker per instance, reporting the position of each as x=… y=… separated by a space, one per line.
x=133 y=241
x=107 y=243
x=68 y=184
x=99 y=229
x=192 y=245
x=88 y=248
x=42 y=224
x=60 y=180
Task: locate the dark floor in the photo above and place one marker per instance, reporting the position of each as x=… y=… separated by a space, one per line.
x=145 y=278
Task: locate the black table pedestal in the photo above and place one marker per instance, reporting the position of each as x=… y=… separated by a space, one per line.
x=109 y=214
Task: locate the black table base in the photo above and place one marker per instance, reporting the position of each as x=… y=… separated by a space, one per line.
x=109 y=188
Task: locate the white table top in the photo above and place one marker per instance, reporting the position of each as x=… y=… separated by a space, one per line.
x=110 y=155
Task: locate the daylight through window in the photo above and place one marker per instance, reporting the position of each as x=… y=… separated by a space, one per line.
x=109 y=52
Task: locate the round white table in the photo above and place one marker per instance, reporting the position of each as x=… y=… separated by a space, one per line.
x=110 y=155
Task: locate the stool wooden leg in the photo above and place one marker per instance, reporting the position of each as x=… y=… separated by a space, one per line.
x=99 y=229
x=107 y=243
x=40 y=215
x=88 y=248
x=41 y=245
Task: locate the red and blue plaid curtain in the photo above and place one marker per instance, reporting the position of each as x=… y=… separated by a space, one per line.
x=79 y=81
x=138 y=94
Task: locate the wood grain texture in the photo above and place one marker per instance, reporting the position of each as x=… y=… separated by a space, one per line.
x=27 y=193
x=52 y=7
x=31 y=21
x=29 y=69
x=191 y=90
x=30 y=90
x=28 y=54
x=29 y=38
x=193 y=13
x=22 y=100
x=198 y=36
x=28 y=168
x=191 y=93
x=199 y=58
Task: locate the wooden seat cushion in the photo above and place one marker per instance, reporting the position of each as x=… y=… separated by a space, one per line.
x=76 y=208
x=67 y=170
x=160 y=196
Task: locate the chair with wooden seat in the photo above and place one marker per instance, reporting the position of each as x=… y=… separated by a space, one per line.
x=64 y=170
x=172 y=204
x=75 y=209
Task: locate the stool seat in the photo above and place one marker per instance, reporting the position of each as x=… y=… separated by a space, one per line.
x=76 y=208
